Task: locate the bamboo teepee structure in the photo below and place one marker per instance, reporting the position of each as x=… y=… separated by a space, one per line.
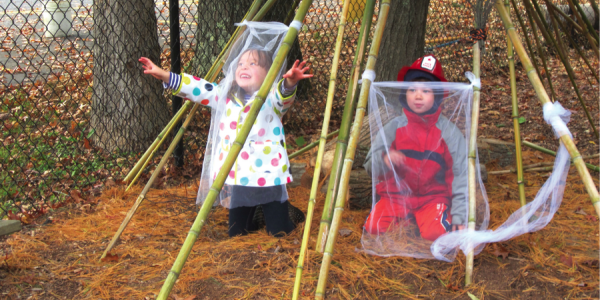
x=234 y=151
x=349 y=157
x=254 y=14
x=364 y=29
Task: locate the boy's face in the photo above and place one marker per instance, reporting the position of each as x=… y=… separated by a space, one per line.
x=419 y=97
x=249 y=75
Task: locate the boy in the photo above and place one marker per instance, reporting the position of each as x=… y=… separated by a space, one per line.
x=424 y=172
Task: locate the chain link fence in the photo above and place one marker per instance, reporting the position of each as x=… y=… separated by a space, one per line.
x=77 y=111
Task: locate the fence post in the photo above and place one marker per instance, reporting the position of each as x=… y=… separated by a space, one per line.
x=175 y=68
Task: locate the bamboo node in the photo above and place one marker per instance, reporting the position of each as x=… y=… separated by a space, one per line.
x=196 y=233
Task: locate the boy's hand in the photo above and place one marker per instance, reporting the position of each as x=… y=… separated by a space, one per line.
x=155 y=71
x=295 y=74
x=395 y=158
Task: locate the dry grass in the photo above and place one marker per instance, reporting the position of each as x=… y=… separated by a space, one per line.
x=60 y=260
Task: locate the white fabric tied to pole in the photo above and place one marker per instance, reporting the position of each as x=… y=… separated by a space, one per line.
x=532 y=217
x=476 y=82
x=367 y=74
x=557 y=116
x=296 y=24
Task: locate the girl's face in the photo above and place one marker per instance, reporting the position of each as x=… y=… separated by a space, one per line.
x=249 y=75
x=419 y=97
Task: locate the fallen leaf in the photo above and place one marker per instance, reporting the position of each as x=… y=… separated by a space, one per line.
x=345 y=232
x=452 y=287
x=29 y=279
x=500 y=251
x=86 y=144
x=591 y=218
x=580 y=211
x=110 y=257
x=175 y=297
x=76 y=195
x=567 y=260
x=473 y=297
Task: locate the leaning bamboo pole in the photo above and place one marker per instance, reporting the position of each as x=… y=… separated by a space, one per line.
x=325 y=127
x=553 y=153
x=580 y=14
x=342 y=140
x=539 y=19
x=543 y=97
x=563 y=26
x=472 y=159
x=135 y=172
x=515 y=116
x=233 y=153
x=349 y=159
x=311 y=145
x=211 y=77
x=538 y=45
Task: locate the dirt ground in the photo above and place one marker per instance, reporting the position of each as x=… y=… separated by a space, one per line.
x=57 y=257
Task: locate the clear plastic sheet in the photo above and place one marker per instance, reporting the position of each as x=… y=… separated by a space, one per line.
x=418 y=163
x=262 y=167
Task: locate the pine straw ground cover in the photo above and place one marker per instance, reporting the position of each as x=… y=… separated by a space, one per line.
x=58 y=257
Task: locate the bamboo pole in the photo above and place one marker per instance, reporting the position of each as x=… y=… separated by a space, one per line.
x=543 y=97
x=565 y=16
x=584 y=18
x=563 y=26
x=311 y=145
x=542 y=164
x=233 y=153
x=349 y=159
x=515 y=116
x=214 y=69
x=588 y=34
x=472 y=157
x=537 y=43
x=211 y=77
x=563 y=58
x=342 y=140
x=317 y=172
x=550 y=152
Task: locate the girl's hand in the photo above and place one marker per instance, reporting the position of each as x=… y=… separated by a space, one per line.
x=395 y=158
x=155 y=71
x=295 y=74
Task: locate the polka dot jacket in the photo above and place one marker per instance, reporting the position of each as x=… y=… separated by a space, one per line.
x=263 y=160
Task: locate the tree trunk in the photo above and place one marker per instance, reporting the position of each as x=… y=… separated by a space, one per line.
x=403 y=39
x=128 y=109
x=216 y=21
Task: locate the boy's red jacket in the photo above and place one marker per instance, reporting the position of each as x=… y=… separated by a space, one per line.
x=435 y=166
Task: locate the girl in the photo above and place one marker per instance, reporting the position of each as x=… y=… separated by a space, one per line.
x=261 y=170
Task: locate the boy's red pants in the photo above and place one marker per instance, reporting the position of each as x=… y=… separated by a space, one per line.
x=433 y=219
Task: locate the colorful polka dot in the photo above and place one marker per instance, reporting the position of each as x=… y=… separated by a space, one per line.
x=289 y=179
x=221 y=156
x=232 y=174
x=267 y=150
x=196 y=92
x=233 y=125
x=276 y=131
x=197 y=78
x=261 y=181
x=261 y=132
x=222 y=126
x=245 y=155
x=244 y=181
x=247 y=109
x=204 y=102
x=227 y=101
x=216 y=98
x=284 y=168
x=228 y=112
x=279 y=155
x=208 y=87
x=258 y=162
x=277 y=181
x=275 y=162
x=185 y=79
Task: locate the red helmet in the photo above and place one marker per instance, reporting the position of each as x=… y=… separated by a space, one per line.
x=427 y=66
